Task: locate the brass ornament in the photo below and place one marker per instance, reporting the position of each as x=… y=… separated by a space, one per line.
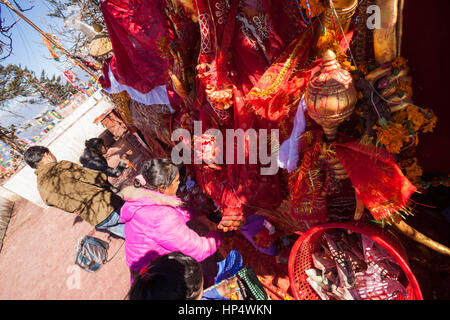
x=330 y=96
x=340 y=12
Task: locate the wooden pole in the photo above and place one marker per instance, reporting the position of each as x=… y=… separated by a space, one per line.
x=57 y=45
x=42 y=86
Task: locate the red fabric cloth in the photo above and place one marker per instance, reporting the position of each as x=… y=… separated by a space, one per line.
x=91 y=65
x=277 y=88
x=134 y=27
x=239 y=41
x=253 y=189
x=377 y=179
x=309 y=183
x=284 y=81
x=216 y=36
x=251 y=29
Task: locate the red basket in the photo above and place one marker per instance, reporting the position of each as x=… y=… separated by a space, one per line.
x=300 y=258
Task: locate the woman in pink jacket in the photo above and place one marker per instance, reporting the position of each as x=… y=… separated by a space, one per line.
x=155 y=222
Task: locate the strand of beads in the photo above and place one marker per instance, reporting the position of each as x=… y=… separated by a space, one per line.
x=309 y=11
x=300 y=8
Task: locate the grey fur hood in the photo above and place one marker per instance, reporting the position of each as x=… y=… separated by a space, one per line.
x=131 y=193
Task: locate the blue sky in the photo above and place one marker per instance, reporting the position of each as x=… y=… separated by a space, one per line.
x=29 y=51
x=28 y=48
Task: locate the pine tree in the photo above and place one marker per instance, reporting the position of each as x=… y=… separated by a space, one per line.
x=16 y=81
x=8 y=136
x=43 y=77
x=13 y=83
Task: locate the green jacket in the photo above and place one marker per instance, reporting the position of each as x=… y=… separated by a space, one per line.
x=72 y=188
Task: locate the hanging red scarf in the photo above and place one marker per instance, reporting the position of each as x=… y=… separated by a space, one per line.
x=277 y=89
x=377 y=179
x=216 y=37
x=134 y=27
x=284 y=81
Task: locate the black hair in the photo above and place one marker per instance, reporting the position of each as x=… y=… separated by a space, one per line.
x=183 y=172
x=33 y=155
x=158 y=173
x=94 y=144
x=174 y=276
x=93 y=149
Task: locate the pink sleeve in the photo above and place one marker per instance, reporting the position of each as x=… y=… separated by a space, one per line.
x=175 y=235
x=188 y=214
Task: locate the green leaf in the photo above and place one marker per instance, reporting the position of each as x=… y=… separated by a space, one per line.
x=382 y=122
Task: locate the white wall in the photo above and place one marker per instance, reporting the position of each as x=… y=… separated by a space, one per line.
x=65 y=141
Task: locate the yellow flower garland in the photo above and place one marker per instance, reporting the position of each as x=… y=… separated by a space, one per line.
x=327 y=41
x=430 y=121
x=399 y=63
x=405 y=87
x=392 y=136
x=419 y=119
x=402 y=131
x=406 y=125
x=412 y=170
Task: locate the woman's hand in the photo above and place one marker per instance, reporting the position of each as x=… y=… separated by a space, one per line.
x=206 y=222
x=231 y=223
x=125 y=156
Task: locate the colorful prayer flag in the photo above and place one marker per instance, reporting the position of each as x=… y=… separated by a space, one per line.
x=51 y=47
x=71 y=78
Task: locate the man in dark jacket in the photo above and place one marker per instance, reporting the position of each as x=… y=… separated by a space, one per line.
x=72 y=188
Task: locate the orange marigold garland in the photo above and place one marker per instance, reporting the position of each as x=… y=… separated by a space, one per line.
x=403 y=87
x=327 y=41
x=416 y=119
x=392 y=135
x=347 y=65
x=412 y=170
x=430 y=121
x=399 y=63
x=400 y=131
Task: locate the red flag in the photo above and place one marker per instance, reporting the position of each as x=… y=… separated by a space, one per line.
x=71 y=78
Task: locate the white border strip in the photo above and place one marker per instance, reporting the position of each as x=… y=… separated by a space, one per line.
x=157 y=95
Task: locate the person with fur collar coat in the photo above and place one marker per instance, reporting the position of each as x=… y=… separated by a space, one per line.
x=155 y=220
